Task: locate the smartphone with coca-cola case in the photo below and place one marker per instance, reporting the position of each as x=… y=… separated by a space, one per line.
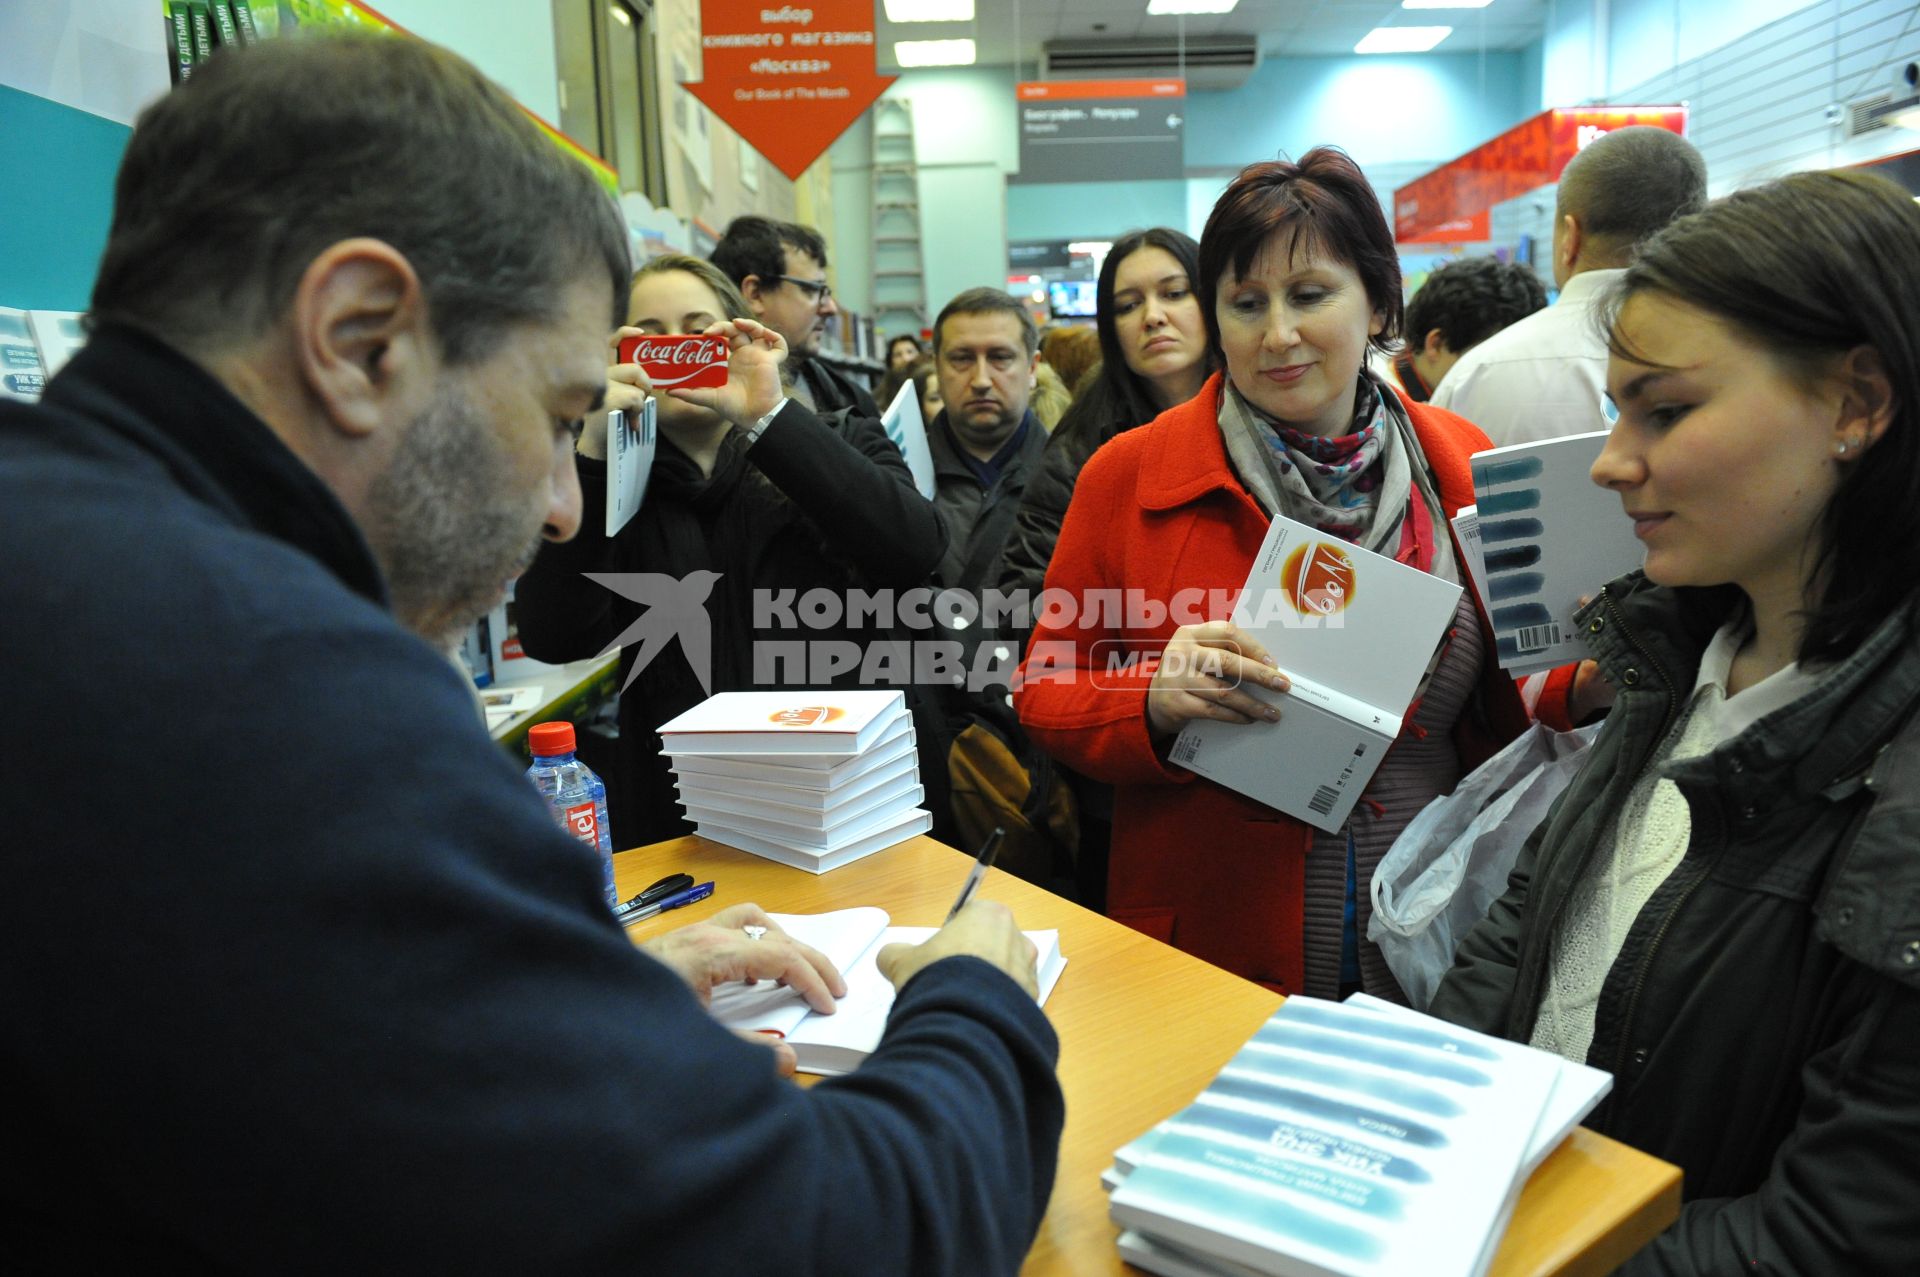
x=673 y=363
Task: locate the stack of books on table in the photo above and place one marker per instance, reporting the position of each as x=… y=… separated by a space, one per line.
x=812 y=779
x=1355 y=1139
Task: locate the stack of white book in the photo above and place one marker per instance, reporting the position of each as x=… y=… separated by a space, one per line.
x=1355 y=1139
x=812 y=779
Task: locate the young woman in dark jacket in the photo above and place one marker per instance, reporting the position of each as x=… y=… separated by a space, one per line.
x=1723 y=910
x=1153 y=355
x=775 y=505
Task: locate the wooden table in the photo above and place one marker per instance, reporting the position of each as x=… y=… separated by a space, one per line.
x=1143 y=1028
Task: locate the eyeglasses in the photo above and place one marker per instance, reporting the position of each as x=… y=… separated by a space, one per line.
x=817 y=290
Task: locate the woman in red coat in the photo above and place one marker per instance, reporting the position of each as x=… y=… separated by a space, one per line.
x=1298 y=276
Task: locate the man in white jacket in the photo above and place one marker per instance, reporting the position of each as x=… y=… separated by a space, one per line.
x=1546 y=375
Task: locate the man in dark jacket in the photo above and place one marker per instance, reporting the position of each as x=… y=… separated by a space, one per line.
x=781 y=269
x=299 y=974
x=985 y=442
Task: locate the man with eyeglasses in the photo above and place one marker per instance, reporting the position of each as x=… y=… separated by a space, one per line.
x=781 y=269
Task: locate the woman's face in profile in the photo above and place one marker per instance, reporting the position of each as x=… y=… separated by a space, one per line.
x=1294 y=331
x=930 y=401
x=1722 y=457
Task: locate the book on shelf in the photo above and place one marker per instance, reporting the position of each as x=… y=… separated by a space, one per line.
x=1358 y=1139
x=22 y=375
x=825 y=722
x=803 y=772
x=907 y=427
x=200 y=23
x=1355 y=632
x=913 y=822
x=851 y=939
x=1549 y=536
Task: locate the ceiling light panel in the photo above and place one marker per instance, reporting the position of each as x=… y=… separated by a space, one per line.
x=929 y=10
x=933 y=53
x=1401 y=39
x=1157 y=7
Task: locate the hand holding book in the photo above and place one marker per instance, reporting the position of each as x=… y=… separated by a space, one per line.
x=742 y=944
x=1201 y=673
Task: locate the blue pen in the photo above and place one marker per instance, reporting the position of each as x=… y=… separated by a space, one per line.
x=675 y=901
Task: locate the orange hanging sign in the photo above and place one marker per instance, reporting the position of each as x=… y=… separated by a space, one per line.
x=790 y=79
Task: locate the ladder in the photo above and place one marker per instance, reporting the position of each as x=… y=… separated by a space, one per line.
x=899 y=264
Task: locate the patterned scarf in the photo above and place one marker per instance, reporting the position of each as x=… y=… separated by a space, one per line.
x=1353 y=486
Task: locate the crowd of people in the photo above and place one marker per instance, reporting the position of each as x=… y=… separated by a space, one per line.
x=329 y=407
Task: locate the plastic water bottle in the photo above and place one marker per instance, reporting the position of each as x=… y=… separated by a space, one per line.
x=575 y=795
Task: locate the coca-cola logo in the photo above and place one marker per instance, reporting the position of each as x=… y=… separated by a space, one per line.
x=678 y=361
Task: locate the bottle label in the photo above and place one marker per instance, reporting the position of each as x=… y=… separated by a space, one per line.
x=582 y=823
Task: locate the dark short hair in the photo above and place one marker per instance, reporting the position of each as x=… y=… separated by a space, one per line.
x=234 y=182
x=988 y=301
x=1472 y=299
x=1809 y=267
x=754 y=245
x=1630 y=182
x=1322 y=204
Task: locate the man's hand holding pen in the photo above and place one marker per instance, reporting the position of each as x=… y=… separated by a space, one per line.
x=984 y=929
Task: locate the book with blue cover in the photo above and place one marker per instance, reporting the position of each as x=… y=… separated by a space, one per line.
x=1549 y=536
x=1341 y=1141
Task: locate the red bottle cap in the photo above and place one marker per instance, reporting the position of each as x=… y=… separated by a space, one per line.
x=549 y=740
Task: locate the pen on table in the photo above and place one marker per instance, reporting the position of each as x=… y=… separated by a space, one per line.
x=981 y=863
x=659 y=890
x=675 y=901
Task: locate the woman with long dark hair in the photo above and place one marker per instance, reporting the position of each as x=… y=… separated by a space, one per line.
x=1723 y=910
x=1153 y=355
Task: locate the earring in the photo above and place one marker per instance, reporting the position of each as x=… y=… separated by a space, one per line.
x=1841 y=447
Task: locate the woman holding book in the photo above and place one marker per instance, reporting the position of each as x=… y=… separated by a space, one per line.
x=1296 y=277
x=746 y=483
x=1723 y=910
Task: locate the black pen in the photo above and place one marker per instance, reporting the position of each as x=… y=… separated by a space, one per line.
x=981 y=863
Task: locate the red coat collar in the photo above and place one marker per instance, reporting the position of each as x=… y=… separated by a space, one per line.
x=1185 y=456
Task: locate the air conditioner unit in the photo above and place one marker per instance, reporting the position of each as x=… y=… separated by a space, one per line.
x=1209 y=62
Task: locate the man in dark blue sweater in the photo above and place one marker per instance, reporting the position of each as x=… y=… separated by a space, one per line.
x=299 y=975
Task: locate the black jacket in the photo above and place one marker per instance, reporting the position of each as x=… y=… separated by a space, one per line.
x=978 y=519
x=1762 y=1021
x=1043 y=506
x=812 y=506
x=299 y=975
x=833 y=390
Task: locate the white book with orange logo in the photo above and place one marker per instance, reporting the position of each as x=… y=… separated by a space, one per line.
x=823 y=722
x=1355 y=632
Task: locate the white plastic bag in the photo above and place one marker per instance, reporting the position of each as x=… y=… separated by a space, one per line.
x=1451 y=863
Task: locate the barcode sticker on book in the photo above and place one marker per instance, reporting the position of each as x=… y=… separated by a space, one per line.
x=1323 y=799
x=1534 y=638
x=1184 y=749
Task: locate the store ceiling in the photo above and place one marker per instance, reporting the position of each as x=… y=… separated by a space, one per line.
x=1286 y=28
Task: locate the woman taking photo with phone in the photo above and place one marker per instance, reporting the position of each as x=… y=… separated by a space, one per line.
x=746 y=484
x=1723 y=910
